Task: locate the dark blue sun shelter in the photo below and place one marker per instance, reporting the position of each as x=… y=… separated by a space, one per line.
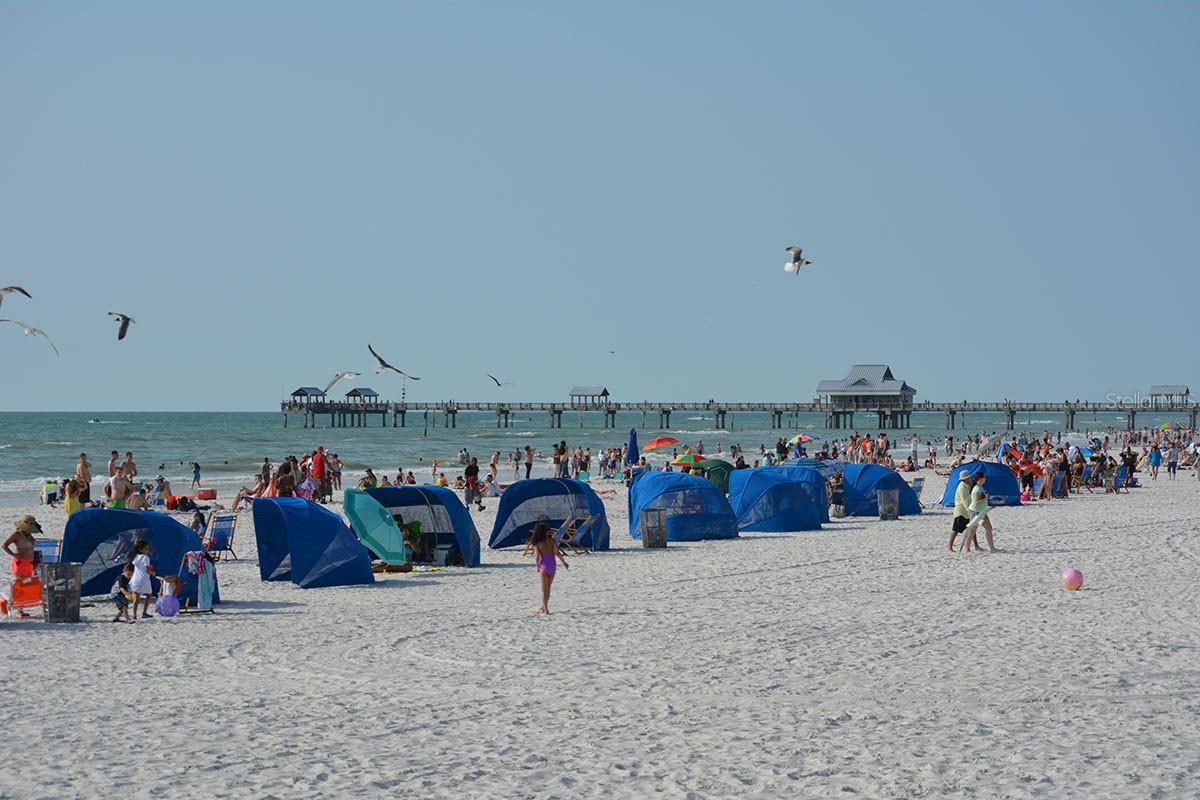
x=696 y=509
x=861 y=483
x=308 y=545
x=102 y=541
x=775 y=499
x=1001 y=484
x=815 y=480
x=553 y=501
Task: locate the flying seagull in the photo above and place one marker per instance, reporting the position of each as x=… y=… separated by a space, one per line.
x=497 y=380
x=7 y=290
x=30 y=331
x=383 y=366
x=124 y=319
x=340 y=376
x=798 y=260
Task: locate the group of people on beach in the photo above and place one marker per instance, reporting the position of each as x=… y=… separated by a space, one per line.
x=314 y=476
x=121 y=487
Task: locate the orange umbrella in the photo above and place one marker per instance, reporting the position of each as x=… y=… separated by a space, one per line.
x=661 y=441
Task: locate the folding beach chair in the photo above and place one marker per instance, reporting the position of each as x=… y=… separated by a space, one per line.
x=917 y=485
x=219 y=536
x=48 y=548
x=1119 y=478
x=569 y=537
x=203 y=567
x=26 y=594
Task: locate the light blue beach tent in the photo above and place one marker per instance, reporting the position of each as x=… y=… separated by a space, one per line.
x=861 y=483
x=444 y=520
x=553 y=501
x=695 y=508
x=1002 y=486
x=774 y=500
x=307 y=544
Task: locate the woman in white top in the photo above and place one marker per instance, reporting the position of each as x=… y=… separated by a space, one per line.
x=140 y=584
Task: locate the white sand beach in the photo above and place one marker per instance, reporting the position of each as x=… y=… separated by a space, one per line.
x=861 y=660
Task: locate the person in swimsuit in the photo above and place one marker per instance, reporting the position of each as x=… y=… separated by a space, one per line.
x=195 y=475
x=547 y=554
x=22 y=546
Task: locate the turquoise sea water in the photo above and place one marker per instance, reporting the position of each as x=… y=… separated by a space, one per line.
x=231 y=446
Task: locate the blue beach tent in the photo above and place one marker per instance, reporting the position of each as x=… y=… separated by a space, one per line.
x=307 y=544
x=695 y=508
x=102 y=539
x=861 y=482
x=772 y=500
x=815 y=479
x=827 y=467
x=553 y=501
x=1001 y=485
x=444 y=519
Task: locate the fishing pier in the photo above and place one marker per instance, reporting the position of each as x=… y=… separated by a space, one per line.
x=881 y=416
x=882 y=401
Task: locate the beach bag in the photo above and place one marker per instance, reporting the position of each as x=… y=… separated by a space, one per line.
x=172 y=502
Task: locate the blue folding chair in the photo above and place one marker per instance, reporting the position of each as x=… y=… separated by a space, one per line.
x=220 y=535
x=49 y=548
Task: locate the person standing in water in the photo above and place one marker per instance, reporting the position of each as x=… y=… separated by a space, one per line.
x=547 y=554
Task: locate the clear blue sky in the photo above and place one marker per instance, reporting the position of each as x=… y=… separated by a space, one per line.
x=521 y=188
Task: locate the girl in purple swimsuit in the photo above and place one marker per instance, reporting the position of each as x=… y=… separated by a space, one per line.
x=545 y=550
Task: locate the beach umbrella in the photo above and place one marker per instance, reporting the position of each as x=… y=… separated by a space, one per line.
x=802 y=437
x=717 y=471
x=688 y=460
x=1169 y=426
x=631 y=454
x=661 y=441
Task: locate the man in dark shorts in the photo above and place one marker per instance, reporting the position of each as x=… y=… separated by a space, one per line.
x=962 y=505
x=83 y=471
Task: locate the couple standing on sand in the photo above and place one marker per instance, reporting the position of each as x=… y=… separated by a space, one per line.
x=971 y=511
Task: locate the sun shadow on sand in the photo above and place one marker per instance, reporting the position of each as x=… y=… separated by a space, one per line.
x=238 y=605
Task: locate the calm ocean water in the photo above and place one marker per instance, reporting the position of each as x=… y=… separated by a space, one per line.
x=230 y=446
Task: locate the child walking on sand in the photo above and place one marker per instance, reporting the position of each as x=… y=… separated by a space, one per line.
x=122 y=596
x=545 y=550
x=195 y=475
x=139 y=583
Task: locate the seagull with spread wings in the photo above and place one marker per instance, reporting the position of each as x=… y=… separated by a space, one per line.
x=798 y=261
x=383 y=366
x=123 y=328
x=340 y=376
x=499 y=384
x=7 y=290
x=32 y=331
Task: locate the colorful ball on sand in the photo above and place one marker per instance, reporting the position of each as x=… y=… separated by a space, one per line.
x=168 y=605
x=1072 y=580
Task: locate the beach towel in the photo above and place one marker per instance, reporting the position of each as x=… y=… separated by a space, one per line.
x=197 y=564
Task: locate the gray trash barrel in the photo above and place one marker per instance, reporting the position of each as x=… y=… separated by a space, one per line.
x=60 y=591
x=889 y=503
x=653 y=522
